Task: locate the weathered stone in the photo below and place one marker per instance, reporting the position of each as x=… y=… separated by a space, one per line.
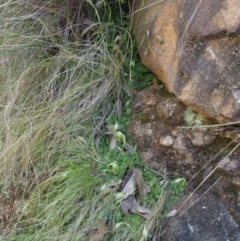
x=151 y=102
x=200 y=137
x=194 y=48
x=181 y=145
x=203 y=218
x=167 y=141
x=171 y=110
x=228 y=164
x=229 y=172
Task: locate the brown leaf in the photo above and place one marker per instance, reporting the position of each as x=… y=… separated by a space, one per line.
x=113 y=143
x=130 y=205
x=139 y=180
x=126 y=204
x=140 y=210
x=126 y=178
x=129 y=148
x=130 y=187
x=143 y=210
x=100 y=232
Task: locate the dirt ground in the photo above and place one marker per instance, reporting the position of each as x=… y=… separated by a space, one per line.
x=158 y=128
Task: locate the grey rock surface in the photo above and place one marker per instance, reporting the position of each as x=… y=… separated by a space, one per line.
x=206 y=219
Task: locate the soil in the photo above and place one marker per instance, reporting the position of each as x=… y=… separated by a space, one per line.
x=193 y=153
x=9 y=204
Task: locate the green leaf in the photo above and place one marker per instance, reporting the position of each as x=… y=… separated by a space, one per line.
x=148 y=77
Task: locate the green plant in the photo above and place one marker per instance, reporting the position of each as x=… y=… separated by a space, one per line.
x=140 y=76
x=115 y=163
x=193 y=118
x=178 y=185
x=64 y=75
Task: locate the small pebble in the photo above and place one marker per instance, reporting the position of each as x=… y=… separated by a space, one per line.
x=151 y=102
x=167 y=141
x=175 y=132
x=180 y=145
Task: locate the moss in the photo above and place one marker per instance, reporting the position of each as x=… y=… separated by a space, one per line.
x=143 y=118
x=193 y=118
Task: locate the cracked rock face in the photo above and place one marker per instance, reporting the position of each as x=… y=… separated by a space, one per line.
x=193 y=46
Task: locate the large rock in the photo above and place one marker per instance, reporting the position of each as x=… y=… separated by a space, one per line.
x=193 y=46
x=204 y=218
